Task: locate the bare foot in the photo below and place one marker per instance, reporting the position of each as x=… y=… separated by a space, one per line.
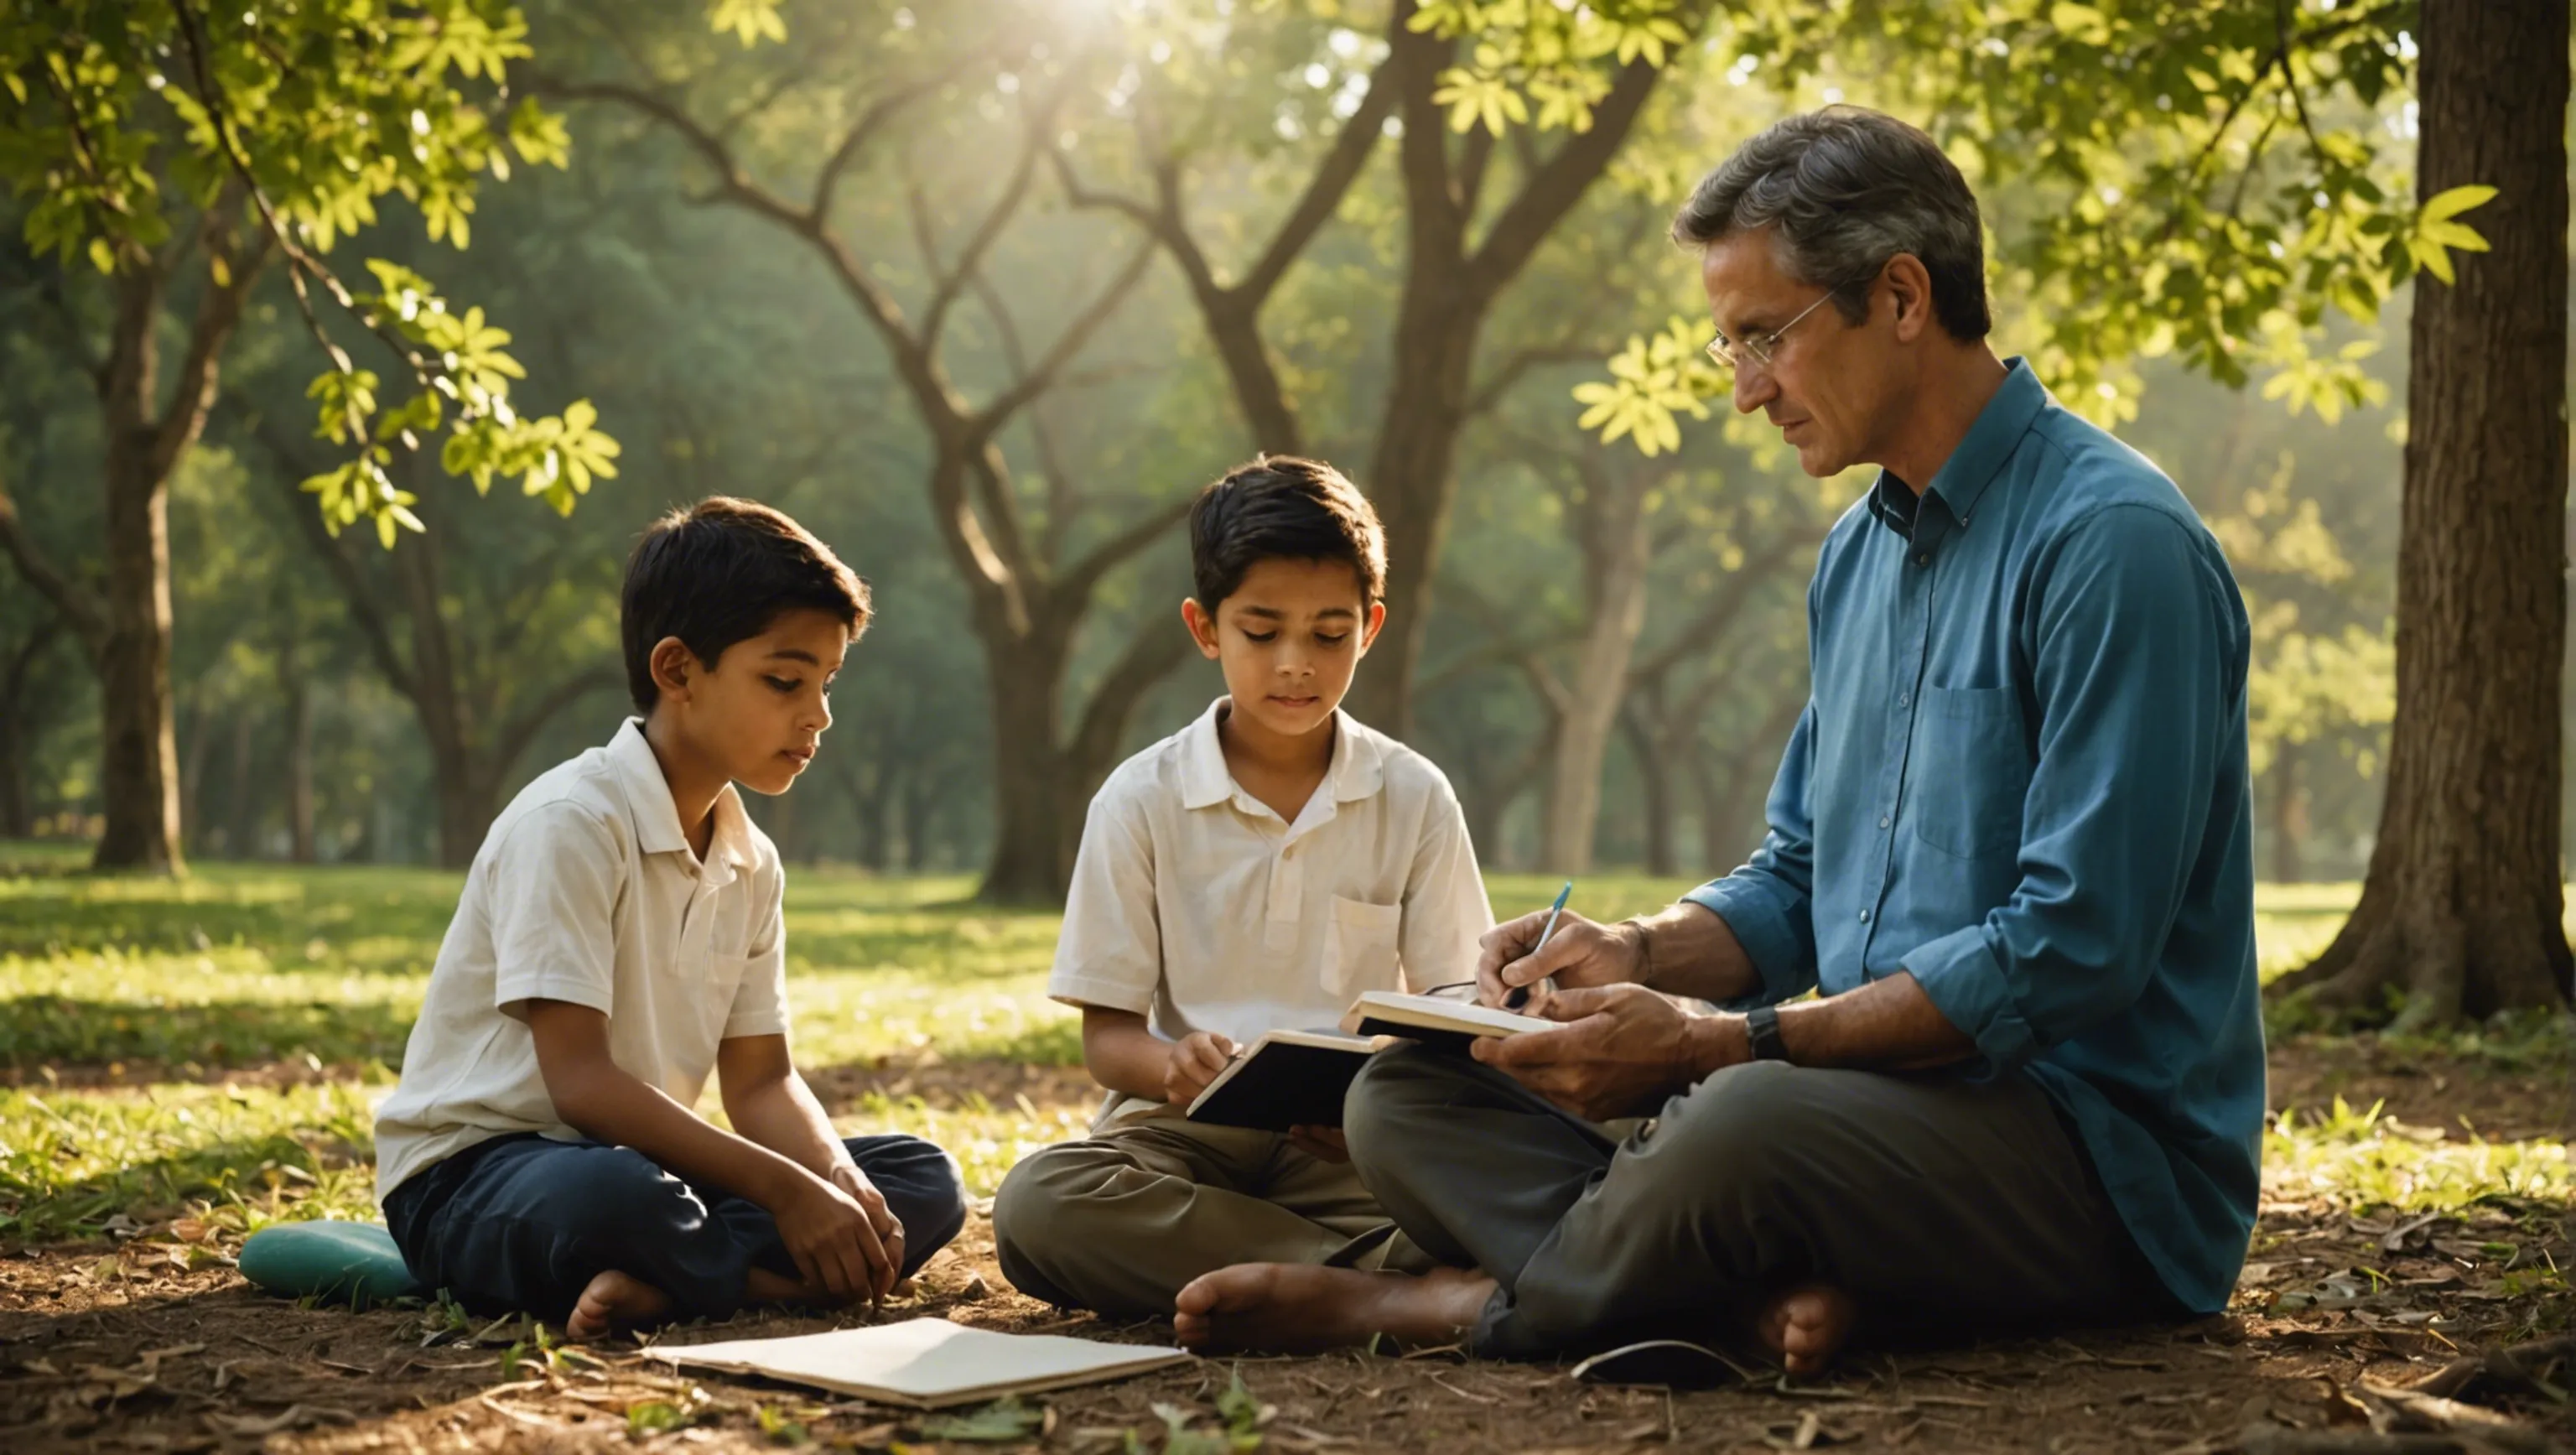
x=1806 y=1326
x=614 y=1301
x=1297 y=1308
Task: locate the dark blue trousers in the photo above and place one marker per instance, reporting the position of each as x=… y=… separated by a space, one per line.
x=522 y=1224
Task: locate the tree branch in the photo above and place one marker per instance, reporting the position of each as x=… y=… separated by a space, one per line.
x=219 y=314
x=363 y=605
x=1152 y=652
x=515 y=734
x=1692 y=638
x=990 y=419
x=1560 y=181
x=1100 y=560
x=78 y=604
x=1324 y=192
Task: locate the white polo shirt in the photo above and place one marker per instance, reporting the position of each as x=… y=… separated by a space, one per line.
x=1195 y=904
x=586 y=891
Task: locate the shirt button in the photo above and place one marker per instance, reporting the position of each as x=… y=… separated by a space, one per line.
x=1864 y=916
x=1882 y=820
x=1903 y=698
x=1923 y=558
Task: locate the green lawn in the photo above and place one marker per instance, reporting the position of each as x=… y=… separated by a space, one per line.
x=245 y=966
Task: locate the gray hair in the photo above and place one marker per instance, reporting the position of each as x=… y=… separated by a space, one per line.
x=1845 y=189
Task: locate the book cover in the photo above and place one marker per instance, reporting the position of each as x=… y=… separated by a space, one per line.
x=926 y=1363
x=1285 y=1079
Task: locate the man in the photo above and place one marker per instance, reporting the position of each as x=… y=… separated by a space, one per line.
x=2009 y=845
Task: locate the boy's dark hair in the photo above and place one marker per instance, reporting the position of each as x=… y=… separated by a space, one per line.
x=719 y=572
x=1282 y=507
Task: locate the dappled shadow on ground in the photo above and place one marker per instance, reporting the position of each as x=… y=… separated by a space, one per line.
x=82 y=1038
x=2532 y=1095
x=947 y=1085
x=105 y=1347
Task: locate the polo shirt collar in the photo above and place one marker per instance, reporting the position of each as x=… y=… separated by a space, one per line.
x=1358 y=769
x=657 y=818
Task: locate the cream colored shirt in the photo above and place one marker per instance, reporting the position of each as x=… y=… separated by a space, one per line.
x=586 y=891
x=1196 y=905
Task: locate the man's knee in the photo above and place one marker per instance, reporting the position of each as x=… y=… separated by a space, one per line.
x=1397 y=1095
x=1741 y=1120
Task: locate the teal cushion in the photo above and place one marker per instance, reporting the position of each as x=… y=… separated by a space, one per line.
x=336 y=1262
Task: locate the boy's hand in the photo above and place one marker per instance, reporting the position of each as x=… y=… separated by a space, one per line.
x=1322 y=1143
x=1196 y=1060
x=833 y=1237
x=851 y=1180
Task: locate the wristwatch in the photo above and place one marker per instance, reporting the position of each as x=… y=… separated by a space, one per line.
x=1762 y=1028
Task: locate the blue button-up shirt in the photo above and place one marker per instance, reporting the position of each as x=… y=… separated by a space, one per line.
x=2021 y=777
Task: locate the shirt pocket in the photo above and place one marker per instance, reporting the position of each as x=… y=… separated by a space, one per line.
x=1360 y=946
x=1969 y=771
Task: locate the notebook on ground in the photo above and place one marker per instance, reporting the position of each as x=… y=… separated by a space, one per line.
x=1447 y=1024
x=1285 y=1079
x=926 y=1363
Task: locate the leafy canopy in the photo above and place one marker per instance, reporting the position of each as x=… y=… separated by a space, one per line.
x=119 y=120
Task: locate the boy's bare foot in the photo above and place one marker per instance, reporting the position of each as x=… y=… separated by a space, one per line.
x=1806 y=1326
x=1297 y=1308
x=615 y=1301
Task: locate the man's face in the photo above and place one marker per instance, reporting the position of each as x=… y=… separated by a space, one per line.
x=1288 y=640
x=1826 y=385
x=761 y=710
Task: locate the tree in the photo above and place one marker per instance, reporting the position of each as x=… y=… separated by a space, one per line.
x=2188 y=189
x=1031 y=575
x=179 y=150
x=2462 y=909
x=1456 y=81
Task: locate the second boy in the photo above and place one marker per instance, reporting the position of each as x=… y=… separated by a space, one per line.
x=1255 y=871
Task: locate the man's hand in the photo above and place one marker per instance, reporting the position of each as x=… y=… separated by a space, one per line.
x=833 y=1237
x=1579 y=953
x=1622 y=1050
x=1196 y=1059
x=1322 y=1143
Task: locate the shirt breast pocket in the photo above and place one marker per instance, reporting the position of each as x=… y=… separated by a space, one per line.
x=1360 y=946
x=1969 y=771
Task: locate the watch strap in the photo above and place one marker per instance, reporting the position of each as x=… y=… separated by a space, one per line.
x=1762 y=1029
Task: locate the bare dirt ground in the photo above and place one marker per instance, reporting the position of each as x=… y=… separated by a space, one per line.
x=154 y=1343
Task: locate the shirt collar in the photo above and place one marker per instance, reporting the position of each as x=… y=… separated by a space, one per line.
x=1358 y=769
x=657 y=818
x=1962 y=479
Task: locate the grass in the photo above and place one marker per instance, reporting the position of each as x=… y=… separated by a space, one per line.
x=245 y=966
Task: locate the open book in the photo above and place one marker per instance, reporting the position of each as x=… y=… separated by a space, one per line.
x=1446 y=1024
x=926 y=1363
x=1285 y=1079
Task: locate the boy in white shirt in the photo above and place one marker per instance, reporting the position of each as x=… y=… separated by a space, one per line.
x=1255 y=871
x=618 y=938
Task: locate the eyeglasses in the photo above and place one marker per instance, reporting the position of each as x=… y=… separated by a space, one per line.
x=1728 y=353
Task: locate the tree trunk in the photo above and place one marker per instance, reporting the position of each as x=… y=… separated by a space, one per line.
x=2289 y=816
x=1600 y=672
x=139 y=777
x=299 y=756
x=192 y=773
x=20 y=721
x=241 y=829
x=1654 y=790
x=2461 y=910
x=1033 y=845
x=1413 y=478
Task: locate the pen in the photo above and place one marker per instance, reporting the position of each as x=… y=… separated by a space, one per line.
x=1520 y=993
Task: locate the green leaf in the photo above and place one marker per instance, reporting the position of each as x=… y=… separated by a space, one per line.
x=102 y=255
x=2445 y=205
x=1001 y=1421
